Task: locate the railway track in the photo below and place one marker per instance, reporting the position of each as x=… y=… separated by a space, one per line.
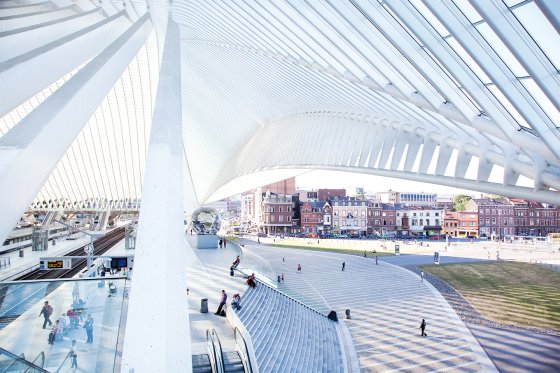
x=100 y=246
x=15 y=299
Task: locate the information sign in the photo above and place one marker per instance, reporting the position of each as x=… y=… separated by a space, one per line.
x=397 y=250
x=55 y=263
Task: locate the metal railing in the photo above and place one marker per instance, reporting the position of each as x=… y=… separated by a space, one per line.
x=215 y=351
x=243 y=350
x=38 y=361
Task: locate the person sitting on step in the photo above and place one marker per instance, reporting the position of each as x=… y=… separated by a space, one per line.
x=251 y=281
x=235 y=301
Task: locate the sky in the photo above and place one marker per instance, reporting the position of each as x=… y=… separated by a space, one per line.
x=371 y=183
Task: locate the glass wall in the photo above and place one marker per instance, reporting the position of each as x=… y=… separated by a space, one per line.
x=87 y=311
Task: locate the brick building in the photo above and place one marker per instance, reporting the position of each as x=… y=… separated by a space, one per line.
x=277 y=211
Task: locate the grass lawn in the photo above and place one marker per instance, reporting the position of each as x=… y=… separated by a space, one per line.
x=510 y=292
x=335 y=250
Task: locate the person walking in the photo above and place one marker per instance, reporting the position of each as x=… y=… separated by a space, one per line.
x=46 y=311
x=220 y=243
x=225 y=242
x=343 y=266
x=365 y=254
x=423 y=328
x=421 y=276
x=88 y=326
x=376 y=260
x=282 y=278
x=299 y=268
x=222 y=302
x=73 y=354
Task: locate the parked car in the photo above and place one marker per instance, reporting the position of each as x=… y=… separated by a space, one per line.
x=342 y=236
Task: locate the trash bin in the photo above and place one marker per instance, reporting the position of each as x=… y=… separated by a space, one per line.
x=231 y=273
x=204 y=305
x=21 y=253
x=279 y=278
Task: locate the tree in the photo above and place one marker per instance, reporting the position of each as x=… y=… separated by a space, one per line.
x=460 y=202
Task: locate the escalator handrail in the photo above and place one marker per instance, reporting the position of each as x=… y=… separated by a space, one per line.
x=22 y=360
x=218 y=365
x=42 y=356
x=246 y=358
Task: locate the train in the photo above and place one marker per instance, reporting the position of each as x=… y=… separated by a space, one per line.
x=21 y=238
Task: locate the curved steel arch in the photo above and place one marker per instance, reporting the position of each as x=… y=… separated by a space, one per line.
x=386 y=148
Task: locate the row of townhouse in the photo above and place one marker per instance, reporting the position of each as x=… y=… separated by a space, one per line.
x=273 y=213
x=512 y=217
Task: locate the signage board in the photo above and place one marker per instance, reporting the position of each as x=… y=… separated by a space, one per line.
x=397 y=250
x=46 y=264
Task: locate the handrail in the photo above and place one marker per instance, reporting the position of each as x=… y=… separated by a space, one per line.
x=245 y=356
x=42 y=356
x=289 y=296
x=59 y=369
x=215 y=352
x=20 y=359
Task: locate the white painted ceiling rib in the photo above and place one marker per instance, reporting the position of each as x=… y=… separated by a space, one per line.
x=449 y=92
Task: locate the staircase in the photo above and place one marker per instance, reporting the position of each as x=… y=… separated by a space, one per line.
x=288 y=335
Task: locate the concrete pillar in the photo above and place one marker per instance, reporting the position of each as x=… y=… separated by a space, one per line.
x=157 y=335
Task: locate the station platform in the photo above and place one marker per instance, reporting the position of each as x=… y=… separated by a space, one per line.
x=108 y=309
x=19 y=265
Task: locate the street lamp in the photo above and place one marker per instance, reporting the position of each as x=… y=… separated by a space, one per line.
x=89 y=248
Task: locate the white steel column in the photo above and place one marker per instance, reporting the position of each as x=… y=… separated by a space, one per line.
x=157 y=335
x=31 y=150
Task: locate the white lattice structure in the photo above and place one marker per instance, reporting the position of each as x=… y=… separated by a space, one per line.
x=462 y=93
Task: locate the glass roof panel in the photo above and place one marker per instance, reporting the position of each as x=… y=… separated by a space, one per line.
x=542 y=100
x=468 y=10
x=540 y=29
x=471 y=63
x=430 y=17
x=409 y=31
x=501 y=49
x=508 y=106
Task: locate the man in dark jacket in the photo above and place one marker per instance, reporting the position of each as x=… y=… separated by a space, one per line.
x=222 y=302
x=423 y=328
x=46 y=311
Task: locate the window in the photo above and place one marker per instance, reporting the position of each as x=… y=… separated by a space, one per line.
x=272 y=218
x=493 y=220
x=437 y=221
x=281 y=218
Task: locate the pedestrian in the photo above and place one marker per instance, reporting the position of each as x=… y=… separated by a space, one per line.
x=222 y=302
x=283 y=260
x=46 y=311
x=73 y=354
x=220 y=243
x=236 y=301
x=258 y=240
x=488 y=255
x=376 y=260
x=343 y=266
x=282 y=277
x=251 y=281
x=88 y=326
x=299 y=268
x=225 y=241
x=421 y=276
x=423 y=328
x=365 y=254
x=497 y=255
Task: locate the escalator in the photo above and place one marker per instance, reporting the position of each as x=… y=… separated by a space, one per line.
x=219 y=361
x=11 y=363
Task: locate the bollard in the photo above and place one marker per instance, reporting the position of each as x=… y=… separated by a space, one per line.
x=21 y=253
x=204 y=305
x=231 y=272
x=278 y=278
x=348 y=314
